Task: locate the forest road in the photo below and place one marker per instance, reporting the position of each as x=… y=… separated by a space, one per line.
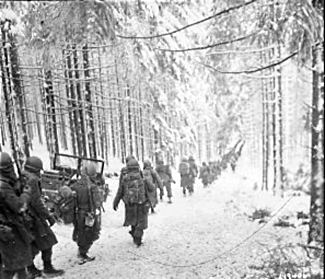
x=206 y=235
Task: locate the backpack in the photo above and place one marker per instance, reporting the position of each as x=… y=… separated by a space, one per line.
x=64 y=204
x=134 y=185
x=184 y=168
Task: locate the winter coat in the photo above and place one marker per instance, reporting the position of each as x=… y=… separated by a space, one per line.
x=135 y=214
x=88 y=201
x=193 y=170
x=43 y=234
x=164 y=173
x=204 y=174
x=15 y=238
x=154 y=178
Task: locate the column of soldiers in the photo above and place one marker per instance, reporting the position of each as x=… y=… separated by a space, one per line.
x=25 y=221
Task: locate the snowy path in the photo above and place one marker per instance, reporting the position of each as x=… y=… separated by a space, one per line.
x=195 y=237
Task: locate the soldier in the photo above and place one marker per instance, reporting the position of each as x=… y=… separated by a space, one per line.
x=134 y=191
x=167 y=178
x=15 y=238
x=184 y=171
x=87 y=223
x=193 y=173
x=124 y=170
x=42 y=220
x=204 y=174
x=154 y=178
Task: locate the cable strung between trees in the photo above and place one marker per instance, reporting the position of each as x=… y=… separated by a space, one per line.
x=254 y=70
x=189 y=25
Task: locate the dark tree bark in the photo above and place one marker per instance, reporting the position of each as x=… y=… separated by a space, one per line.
x=69 y=89
x=75 y=110
x=7 y=91
x=81 y=120
x=89 y=108
x=316 y=230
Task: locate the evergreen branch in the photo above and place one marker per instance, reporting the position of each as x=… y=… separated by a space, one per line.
x=253 y=70
x=211 y=46
x=189 y=25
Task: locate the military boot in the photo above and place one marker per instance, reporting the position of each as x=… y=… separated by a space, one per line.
x=137 y=240
x=50 y=271
x=33 y=272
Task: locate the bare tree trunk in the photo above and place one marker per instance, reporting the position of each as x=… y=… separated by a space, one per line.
x=50 y=115
x=7 y=90
x=129 y=112
x=316 y=203
x=38 y=121
x=81 y=120
x=89 y=110
x=121 y=114
x=280 y=122
x=74 y=106
x=265 y=132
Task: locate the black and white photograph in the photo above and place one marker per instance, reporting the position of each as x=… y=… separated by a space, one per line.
x=151 y=139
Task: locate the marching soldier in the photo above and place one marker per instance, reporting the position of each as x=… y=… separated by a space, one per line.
x=15 y=238
x=133 y=190
x=42 y=220
x=166 y=176
x=87 y=224
x=154 y=178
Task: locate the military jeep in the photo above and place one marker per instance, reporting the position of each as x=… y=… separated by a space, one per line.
x=57 y=181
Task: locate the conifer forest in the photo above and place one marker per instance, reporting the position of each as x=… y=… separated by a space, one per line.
x=233 y=82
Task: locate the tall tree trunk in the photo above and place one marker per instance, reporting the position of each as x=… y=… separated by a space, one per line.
x=51 y=115
x=316 y=214
x=129 y=112
x=121 y=114
x=280 y=122
x=74 y=105
x=265 y=130
x=38 y=121
x=69 y=89
x=7 y=90
x=81 y=120
x=89 y=109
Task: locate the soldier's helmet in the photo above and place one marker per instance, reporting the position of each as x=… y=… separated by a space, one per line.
x=160 y=162
x=128 y=158
x=133 y=164
x=5 y=161
x=184 y=159
x=191 y=158
x=146 y=163
x=89 y=169
x=33 y=164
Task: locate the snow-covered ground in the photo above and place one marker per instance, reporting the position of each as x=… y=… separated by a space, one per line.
x=207 y=235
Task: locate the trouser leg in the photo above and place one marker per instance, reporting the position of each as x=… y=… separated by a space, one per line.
x=47 y=255
x=138 y=234
x=169 y=190
x=83 y=249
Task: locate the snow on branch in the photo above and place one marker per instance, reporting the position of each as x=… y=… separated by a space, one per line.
x=211 y=46
x=189 y=25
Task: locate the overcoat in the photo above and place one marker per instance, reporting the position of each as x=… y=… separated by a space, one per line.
x=135 y=214
x=43 y=234
x=15 y=245
x=88 y=199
